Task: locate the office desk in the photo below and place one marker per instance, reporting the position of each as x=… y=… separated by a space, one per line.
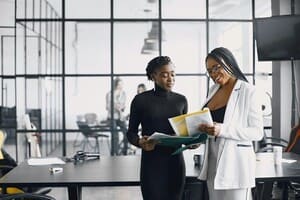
x=267 y=172
x=108 y=171
x=124 y=171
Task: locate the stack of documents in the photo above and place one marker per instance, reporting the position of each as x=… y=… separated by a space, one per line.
x=186 y=129
x=187 y=124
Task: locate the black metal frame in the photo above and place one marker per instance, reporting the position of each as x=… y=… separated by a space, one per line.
x=54 y=130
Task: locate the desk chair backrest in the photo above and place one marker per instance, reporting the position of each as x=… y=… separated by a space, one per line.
x=32 y=138
x=91 y=118
x=84 y=128
x=294 y=142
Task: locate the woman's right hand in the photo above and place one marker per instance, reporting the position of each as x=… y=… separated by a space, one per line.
x=147 y=145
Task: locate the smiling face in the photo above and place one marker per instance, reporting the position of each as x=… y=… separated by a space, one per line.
x=217 y=72
x=164 y=76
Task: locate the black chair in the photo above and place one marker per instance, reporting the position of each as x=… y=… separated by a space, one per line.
x=268 y=142
x=24 y=196
x=91 y=133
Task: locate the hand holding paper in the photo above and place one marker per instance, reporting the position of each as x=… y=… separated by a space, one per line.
x=187 y=124
x=186 y=129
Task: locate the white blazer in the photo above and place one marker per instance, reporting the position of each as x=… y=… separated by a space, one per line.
x=243 y=123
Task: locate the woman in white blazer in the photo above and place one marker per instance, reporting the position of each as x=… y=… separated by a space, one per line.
x=229 y=159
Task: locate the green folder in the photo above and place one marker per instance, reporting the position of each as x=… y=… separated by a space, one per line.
x=179 y=141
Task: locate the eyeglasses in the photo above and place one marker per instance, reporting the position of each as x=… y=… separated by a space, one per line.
x=214 y=69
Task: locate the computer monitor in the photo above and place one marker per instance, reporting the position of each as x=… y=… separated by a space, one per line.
x=278 y=37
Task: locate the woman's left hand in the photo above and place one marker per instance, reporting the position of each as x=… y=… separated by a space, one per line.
x=213 y=130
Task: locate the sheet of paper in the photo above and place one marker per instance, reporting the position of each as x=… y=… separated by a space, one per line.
x=179 y=126
x=45 y=161
x=288 y=160
x=193 y=121
x=157 y=136
x=187 y=124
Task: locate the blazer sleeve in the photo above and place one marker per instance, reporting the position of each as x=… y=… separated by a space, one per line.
x=247 y=122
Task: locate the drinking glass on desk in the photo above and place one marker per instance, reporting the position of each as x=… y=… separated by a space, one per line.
x=277 y=150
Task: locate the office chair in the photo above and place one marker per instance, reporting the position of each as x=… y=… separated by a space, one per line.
x=22 y=196
x=32 y=138
x=91 y=119
x=268 y=142
x=88 y=133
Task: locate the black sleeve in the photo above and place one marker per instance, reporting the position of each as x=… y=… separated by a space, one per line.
x=134 y=122
x=185 y=110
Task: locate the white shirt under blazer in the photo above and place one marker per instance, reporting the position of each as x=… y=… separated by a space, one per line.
x=243 y=123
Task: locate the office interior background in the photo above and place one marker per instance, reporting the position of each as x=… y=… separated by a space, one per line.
x=59 y=59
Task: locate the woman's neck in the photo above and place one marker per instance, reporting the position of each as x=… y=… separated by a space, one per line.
x=229 y=85
x=160 y=91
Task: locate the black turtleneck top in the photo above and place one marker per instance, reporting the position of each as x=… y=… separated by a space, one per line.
x=152 y=109
x=162 y=174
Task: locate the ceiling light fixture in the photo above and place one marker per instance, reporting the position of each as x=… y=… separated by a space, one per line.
x=151 y=42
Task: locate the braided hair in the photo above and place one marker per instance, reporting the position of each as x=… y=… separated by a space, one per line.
x=156 y=63
x=227 y=61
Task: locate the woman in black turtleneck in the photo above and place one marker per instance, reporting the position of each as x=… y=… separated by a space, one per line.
x=162 y=175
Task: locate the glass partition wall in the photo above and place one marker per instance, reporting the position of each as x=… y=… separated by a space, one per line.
x=68 y=54
x=38 y=72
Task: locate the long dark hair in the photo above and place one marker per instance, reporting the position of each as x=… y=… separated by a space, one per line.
x=228 y=62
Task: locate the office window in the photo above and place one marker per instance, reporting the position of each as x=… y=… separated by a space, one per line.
x=8 y=95
x=191 y=38
x=236 y=36
x=87 y=9
x=263 y=8
x=135 y=9
x=6 y=14
x=8 y=54
x=183 y=9
x=230 y=9
x=129 y=41
x=32 y=93
x=20 y=53
x=87 y=48
x=32 y=52
x=194 y=88
x=85 y=95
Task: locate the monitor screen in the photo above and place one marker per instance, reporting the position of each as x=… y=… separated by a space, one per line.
x=278 y=37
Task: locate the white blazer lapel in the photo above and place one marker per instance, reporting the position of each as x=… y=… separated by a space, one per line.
x=230 y=108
